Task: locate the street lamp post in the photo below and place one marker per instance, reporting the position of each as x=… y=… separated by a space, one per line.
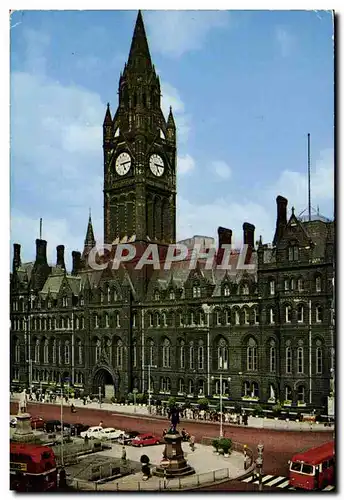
x=61 y=426
x=100 y=396
x=221 y=395
x=135 y=391
x=149 y=386
x=259 y=464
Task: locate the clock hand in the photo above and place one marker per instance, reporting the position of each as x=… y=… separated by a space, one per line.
x=125 y=162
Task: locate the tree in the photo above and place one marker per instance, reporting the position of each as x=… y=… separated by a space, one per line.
x=203 y=403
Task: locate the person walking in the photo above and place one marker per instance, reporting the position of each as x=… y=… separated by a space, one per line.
x=192 y=443
x=124 y=454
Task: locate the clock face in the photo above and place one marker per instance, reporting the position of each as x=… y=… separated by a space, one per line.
x=123 y=163
x=156 y=164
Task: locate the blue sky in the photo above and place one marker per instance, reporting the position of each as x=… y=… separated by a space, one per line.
x=246 y=87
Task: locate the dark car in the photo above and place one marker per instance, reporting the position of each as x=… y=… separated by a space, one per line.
x=127 y=436
x=75 y=429
x=55 y=426
x=37 y=423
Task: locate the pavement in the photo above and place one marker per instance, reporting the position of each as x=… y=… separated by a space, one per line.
x=204 y=460
x=143 y=410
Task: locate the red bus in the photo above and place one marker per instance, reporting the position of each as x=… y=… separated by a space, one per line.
x=32 y=468
x=313 y=469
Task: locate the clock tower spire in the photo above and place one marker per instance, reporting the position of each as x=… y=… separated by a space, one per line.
x=139 y=155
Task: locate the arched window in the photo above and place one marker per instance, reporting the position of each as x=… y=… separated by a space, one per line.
x=166 y=354
x=98 y=350
x=226 y=291
x=247 y=388
x=237 y=317
x=222 y=355
x=288 y=360
x=79 y=351
x=37 y=351
x=301 y=394
x=156 y=295
x=196 y=291
x=46 y=352
x=54 y=351
x=59 y=352
x=200 y=357
x=318 y=284
x=109 y=295
x=191 y=387
x=272 y=287
x=181 y=386
x=108 y=347
x=255 y=390
x=245 y=289
x=164 y=321
x=96 y=321
x=201 y=387
x=182 y=355
x=300 y=310
x=246 y=317
x=228 y=317
x=119 y=353
x=288 y=395
x=300 y=285
x=319 y=360
x=288 y=314
x=77 y=323
x=107 y=323
x=151 y=353
x=252 y=363
x=134 y=355
x=272 y=356
x=17 y=351
x=318 y=314
x=272 y=316
x=150 y=318
x=157 y=319
x=66 y=353
x=172 y=295
x=300 y=360
x=82 y=322
x=256 y=316
x=191 y=356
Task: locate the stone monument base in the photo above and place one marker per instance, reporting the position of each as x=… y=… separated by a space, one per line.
x=23 y=432
x=173 y=463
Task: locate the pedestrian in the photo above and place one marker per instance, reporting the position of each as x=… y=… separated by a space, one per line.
x=124 y=454
x=101 y=423
x=192 y=443
x=62 y=478
x=72 y=408
x=86 y=439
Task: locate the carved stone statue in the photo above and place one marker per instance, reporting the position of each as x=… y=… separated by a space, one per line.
x=272 y=392
x=22 y=407
x=174 y=417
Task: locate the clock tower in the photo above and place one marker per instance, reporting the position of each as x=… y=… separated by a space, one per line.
x=139 y=155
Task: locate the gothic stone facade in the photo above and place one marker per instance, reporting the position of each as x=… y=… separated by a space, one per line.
x=267 y=331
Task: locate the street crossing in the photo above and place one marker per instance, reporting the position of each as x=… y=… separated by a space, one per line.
x=278 y=482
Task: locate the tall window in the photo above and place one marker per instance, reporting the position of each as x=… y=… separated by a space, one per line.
x=118 y=322
x=288 y=393
x=226 y=291
x=288 y=360
x=272 y=287
x=246 y=317
x=151 y=322
x=134 y=320
x=109 y=295
x=119 y=353
x=272 y=315
x=286 y=285
x=172 y=295
x=272 y=356
x=17 y=352
x=247 y=388
x=319 y=360
x=252 y=355
x=134 y=355
x=288 y=314
x=101 y=297
x=64 y=301
x=156 y=295
x=196 y=291
x=300 y=360
x=46 y=352
x=82 y=322
x=293 y=253
x=255 y=390
x=218 y=317
x=228 y=317
x=37 y=351
x=301 y=394
x=191 y=387
x=182 y=355
x=245 y=289
x=300 y=285
x=66 y=353
x=181 y=386
x=107 y=323
x=200 y=357
x=256 y=316
x=318 y=314
x=237 y=317
x=191 y=356
x=96 y=321
x=300 y=310
x=192 y=318
x=166 y=354
x=98 y=350
x=222 y=355
x=54 y=352
x=318 y=284
x=77 y=323
x=201 y=387
x=79 y=347
x=164 y=320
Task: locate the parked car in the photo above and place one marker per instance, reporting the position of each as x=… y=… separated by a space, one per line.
x=13 y=422
x=92 y=433
x=77 y=429
x=55 y=426
x=145 y=440
x=127 y=436
x=37 y=423
x=111 y=433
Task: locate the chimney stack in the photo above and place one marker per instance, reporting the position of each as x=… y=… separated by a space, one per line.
x=281 y=221
x=41 y=252
x=60 y=256
x=248 y=234
x=76 y=256
x=16 y=257
x=225 y=238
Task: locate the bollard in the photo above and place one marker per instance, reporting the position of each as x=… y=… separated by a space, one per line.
x=198 y=480
x=138 y=486
x=117 y=486
x=213 y=476
x=180 y=484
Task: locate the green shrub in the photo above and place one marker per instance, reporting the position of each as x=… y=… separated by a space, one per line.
x=113 y=399
x=171 y=402
x=237 y=408
x=225 y=444
x=203 y=403
x=277 y=409
x=258 y=411
x=216 y=443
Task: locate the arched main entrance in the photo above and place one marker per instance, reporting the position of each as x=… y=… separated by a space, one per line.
x=103 y=382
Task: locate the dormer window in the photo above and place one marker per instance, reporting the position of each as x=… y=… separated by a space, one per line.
x=318 y=284
x=108 y=295
x=82 y=301
x=196 y=291
x=172 y=295
x=101 y=297
x=245 y=289
x=64 y=301
x=49 y=304
x=272 y=287
x=156 y=295
x=226 y=291
x=293 y=253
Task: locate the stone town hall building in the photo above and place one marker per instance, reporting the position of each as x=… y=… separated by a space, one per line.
x=270 y=331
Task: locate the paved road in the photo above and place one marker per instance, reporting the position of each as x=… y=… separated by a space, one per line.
x=279 y=445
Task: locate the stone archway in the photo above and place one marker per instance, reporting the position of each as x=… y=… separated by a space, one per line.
x=103 y=380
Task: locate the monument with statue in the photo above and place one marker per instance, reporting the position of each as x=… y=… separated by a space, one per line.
x=23 y=432
x=173 y=463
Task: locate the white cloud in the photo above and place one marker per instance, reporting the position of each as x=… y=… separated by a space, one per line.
x=185 y=164
x=221 y=169
x=285 y=41
x=176 y=32
x=171 y=97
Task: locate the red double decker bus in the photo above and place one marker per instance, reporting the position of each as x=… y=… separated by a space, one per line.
x=32 y=468
x=314 y=469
